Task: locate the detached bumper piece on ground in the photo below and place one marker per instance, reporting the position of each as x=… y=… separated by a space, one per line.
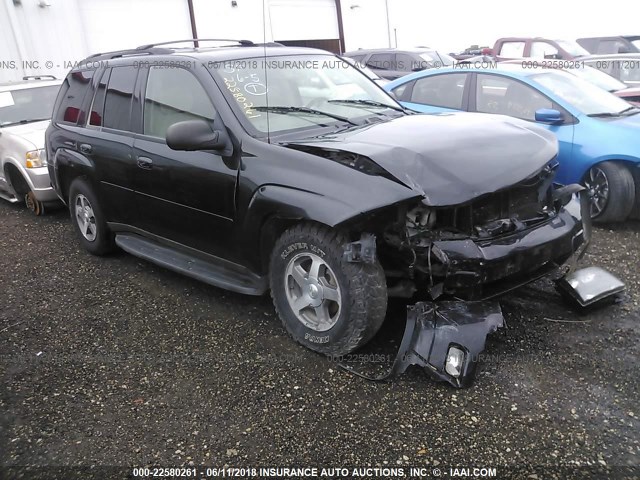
x=447 y=338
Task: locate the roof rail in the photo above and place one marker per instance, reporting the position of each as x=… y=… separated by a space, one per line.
x=243 y=43
x=132 y=51
x=39 y=77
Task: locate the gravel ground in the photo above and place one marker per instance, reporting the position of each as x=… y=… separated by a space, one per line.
x=113 y=361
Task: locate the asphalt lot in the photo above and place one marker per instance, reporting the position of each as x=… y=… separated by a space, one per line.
x=113 y=361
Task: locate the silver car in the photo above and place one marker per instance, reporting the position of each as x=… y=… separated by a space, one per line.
x=25 y=111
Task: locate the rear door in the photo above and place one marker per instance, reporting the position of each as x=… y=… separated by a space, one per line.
x=108 y=142
x=185 y=197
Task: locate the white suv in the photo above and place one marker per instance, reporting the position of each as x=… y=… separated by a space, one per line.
x=25 y=111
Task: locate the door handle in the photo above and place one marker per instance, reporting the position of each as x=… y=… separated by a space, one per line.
x=145 y=162
x=85 y=148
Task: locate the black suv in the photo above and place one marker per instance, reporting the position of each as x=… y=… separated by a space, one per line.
x=257 y=168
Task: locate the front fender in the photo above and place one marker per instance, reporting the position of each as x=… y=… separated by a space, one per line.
x=21 y=168
x=288 y=205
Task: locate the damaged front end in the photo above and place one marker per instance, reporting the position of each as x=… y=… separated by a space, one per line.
x=490 y=245
x=457 y=259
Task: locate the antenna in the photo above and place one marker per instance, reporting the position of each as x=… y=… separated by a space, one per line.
x=264 y=65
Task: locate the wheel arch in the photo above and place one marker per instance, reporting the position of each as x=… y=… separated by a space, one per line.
x=631 y=163
x=16 y=178
x=275 y=209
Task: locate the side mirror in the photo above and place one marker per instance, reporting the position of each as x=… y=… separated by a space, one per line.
x=191 y=135
x=553 y=56
x=550 y=116
x=624 y=49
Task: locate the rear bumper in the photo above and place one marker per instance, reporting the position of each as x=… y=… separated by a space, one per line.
x=482 y=269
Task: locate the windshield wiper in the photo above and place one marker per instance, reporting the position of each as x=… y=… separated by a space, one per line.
x=312 y=111
x=22 y=122
x=604 y=114
x=370 y=103
x=629 y=110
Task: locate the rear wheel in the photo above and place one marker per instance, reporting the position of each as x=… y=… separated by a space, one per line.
x=87 y=219
x=325 y=303
x=611 y=191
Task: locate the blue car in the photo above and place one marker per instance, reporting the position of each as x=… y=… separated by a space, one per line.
x=598 y=133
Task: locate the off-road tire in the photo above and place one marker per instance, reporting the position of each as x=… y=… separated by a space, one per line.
x=103 y=243
x=363 y=289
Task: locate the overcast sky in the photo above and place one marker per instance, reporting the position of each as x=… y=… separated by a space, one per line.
x=452 y=25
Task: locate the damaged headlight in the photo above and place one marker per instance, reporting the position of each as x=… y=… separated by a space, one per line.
x=455 y=361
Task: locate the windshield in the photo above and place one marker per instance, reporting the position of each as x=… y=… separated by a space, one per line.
x=313 y=82
x=572 y=48
x=579 y=93
x=598 y=78
x=27 y=105
x=436 y=59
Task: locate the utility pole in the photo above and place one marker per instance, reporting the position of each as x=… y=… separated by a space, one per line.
x=386 y=6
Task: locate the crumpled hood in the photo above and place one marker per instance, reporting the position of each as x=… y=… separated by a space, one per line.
x=29 y=132
x=450 y=158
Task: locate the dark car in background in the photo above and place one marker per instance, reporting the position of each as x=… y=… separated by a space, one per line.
x=624 y=67
x=392 y=63
x=230 y=166
x=611 y=45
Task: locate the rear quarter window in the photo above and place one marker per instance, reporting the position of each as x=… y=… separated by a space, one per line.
x=72 y=92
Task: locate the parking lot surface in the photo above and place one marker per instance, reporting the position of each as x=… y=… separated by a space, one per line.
x=114 y=361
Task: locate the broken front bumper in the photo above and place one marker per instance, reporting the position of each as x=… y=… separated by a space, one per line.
x=480 y=269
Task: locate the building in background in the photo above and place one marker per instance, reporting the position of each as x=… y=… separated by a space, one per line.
x=34 y=32
x=47 y=36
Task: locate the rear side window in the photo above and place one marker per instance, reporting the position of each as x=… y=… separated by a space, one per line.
x=400 y=92
x=117 y=105
x=440 y=91
x=173 y=95
x=72 y=93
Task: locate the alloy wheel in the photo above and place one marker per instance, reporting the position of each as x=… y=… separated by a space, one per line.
x=86 y=218
x=598 y=190
x=313 y=291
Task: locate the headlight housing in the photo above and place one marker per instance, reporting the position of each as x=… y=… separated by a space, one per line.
x=36 y=158
x=455 y=361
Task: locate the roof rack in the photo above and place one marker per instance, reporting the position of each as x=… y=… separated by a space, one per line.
x=38 y=77
x=131 y=51
x=243 y=43
x=151 y=49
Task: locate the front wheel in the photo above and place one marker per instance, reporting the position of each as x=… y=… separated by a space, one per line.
x=33 y=204
x=611 y=191
x=325 y=303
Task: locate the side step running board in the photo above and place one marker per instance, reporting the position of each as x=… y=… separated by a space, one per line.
x=216 y=274
x=8 y=197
